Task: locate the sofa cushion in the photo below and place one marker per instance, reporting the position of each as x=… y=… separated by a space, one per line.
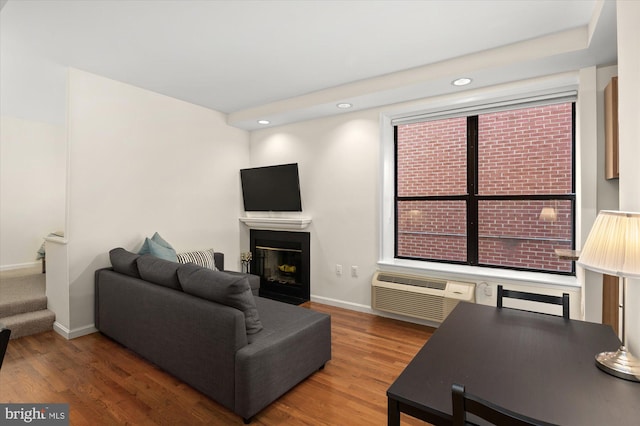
x=222 y=288
x=159 y=247
x=254 y=280
x=124 y=262
x=204 y=258
x=159 y=271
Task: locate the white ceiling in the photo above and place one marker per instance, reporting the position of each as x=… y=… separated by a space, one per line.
x=245 y=57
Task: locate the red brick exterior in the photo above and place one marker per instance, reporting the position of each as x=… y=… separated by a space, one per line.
x=525 y=151
x=512 y=234
x=520 y=152
x=423 y=233
x=432 y=158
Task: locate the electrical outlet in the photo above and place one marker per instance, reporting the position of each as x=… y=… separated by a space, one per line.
x=354 y=271
x=338 y=269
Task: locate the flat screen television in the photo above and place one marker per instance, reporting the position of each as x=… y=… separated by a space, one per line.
x=271 y=188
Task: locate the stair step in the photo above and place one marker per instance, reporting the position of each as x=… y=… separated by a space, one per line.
x=21 y=293
x=25 y=324
x=22 y=305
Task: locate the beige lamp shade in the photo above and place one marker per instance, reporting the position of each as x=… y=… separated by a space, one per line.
x=613 y=248
x=613 y=245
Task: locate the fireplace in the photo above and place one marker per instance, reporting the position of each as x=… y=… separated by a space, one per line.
x=281 y=259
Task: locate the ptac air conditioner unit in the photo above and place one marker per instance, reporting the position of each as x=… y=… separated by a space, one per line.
x=417 y=296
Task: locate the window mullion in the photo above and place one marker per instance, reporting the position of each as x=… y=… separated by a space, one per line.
x=472 y=190
x=395 y=191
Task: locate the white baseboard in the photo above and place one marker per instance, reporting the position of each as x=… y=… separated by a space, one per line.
x=367 y=309
x=89 y=329
x=72 y=334
x=342 y=304
x=20 y=266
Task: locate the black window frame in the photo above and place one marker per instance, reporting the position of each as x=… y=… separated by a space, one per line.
x=472 y=198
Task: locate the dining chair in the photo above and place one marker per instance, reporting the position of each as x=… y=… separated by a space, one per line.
x=464 y=402
x=535 y=297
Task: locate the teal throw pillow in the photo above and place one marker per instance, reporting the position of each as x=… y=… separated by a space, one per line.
x=159 y=247
x=166 y=253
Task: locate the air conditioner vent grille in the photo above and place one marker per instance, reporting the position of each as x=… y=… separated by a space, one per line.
x=416 y=296
x=420 y=282
x=425 y=306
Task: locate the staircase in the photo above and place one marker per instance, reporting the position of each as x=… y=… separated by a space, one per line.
x=23 y=302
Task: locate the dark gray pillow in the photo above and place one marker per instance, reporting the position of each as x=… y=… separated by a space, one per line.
x=223 y=288
x=159 y=271
x=124 y=262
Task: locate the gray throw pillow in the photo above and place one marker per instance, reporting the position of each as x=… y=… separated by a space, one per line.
x=159 y=271
x=124 y=262
x=223 y=288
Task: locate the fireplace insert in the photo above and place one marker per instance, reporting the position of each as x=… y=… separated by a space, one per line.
x=281 y=259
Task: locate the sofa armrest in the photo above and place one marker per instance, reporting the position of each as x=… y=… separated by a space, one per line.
x=218 y=260
x=189 y=337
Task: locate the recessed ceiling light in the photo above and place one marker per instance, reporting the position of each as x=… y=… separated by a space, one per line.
x=264 y=122
x=461 y=81
x=344 y=105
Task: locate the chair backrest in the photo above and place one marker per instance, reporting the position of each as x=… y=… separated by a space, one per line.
x=464 y=403
x=535 y=297
x=5 y=333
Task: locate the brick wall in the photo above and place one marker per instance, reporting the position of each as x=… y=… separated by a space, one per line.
x=433 y=230
x=512 y=234
x=432 y=158
x=525 y=151
x=521 y=152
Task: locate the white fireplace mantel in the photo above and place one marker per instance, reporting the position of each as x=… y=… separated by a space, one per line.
x=276 y=223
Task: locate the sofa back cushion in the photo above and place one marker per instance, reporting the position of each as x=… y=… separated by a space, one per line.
x=124 y=262
x=223 y=288
x=159 y=271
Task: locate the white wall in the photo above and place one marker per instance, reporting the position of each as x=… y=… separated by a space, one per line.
x=587 y=126
x=339 y=172
x=628 y=13
x=140 y=162
x=32 y=187
x=32 y=147
x=606 y=197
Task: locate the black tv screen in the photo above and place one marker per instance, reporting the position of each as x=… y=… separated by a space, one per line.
x=272 y=188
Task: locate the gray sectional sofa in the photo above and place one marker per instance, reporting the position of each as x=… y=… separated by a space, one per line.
x=208 y=329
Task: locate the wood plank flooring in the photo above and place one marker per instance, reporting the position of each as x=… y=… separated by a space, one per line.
x=106 y=384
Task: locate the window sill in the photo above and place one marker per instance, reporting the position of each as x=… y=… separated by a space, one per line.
x=476 y=273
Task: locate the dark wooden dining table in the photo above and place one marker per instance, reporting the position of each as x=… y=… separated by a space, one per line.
x=539 y=365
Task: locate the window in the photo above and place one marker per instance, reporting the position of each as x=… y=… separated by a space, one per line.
x=494 y=189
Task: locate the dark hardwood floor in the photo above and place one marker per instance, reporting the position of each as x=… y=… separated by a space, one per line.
x=106 y=384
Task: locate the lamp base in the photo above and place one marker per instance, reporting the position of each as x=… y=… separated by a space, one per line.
x=620 y=364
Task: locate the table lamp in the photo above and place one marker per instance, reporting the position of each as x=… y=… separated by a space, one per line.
x=613 y=248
